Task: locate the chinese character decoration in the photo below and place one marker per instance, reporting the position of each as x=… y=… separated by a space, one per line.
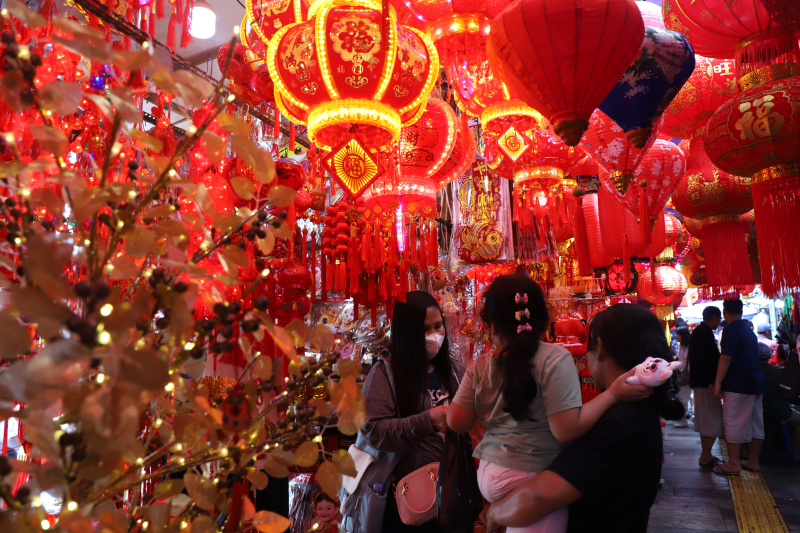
x=479 y=235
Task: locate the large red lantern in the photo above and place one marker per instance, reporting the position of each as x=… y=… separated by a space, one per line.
x=335 y=73
x=718 y=199
x=667 y=289
x=425 y=145
x=711 y=84
x=460 y=159
x=607 y=144
x=598 y=256
x=758 y=134
x=621 y=231
x=562 y=57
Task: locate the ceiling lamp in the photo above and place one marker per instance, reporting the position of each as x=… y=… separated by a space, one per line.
x=204 y=20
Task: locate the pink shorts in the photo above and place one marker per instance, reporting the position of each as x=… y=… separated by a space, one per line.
x=497 y=481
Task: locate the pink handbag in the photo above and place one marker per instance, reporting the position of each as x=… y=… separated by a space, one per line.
x=416 y=495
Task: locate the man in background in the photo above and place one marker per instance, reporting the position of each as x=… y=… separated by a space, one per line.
x=740 y=380
x=765 y=337
x=703 y=362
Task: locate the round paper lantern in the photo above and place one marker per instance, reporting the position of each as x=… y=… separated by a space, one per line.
x=460 y=159
x=390 y=192
x=598 y=256
x=743 y=30
x=266 y=17
x=667 y=289
x=658 y=71
x=711 y=84
x=758 y=134
x=562 y=57
x=651 y=14
x=620 y=231
x=293 y=281
x=717 y=199
x=607 y=144
x=661 y=170
x=335 y=73
x=425 y=145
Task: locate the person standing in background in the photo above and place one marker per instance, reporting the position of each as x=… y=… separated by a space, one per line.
x=740 y=380
x=684 y=336
x=703 y=360
x=765 y=337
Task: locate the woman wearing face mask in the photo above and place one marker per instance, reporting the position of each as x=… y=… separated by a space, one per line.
x=425 y=379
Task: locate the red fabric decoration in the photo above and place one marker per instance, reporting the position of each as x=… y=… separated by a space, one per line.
x=598 y=256
x=562 y=57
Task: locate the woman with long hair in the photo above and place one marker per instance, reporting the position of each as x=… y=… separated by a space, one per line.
x=609 y=477
x=527 y=393
x=411 y=421
x=684 y=337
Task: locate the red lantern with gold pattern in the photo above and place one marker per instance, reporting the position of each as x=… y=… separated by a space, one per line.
x=460 y=159
x=717 y=199
x=556 y=57
x=425 y=145
x=668 y=289
x=712 y=83
x=758 y=134
x=266 y=17
x=341 y=74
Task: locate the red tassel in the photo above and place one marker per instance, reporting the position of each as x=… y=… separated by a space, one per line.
x=581 y=241
x=151 y=23
x=354 y=260
x=644 y=214
x=276 y=125
x=291 y=137
x=160 y=13
x=727 y=263
x=423 y=252
x=313 y=266
x=433 y=245
x=172 y=40
x=366 y=251
x=186 y=37
x=371 y=289
x=378 y=251
x=626 y=259
x=323 y=286
x=382 y=291
x=412 y=244
x=401 y=297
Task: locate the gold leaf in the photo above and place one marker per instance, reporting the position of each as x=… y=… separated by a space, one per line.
x=299 y=332
x=49 y=199
x=352 y=419
x=237 y=256
x=124 y=268
x=161 y=210
x=60 y=97
x=201 y=489
x=281 y=339
x=258 y=478
x=307 y=454
x=130 y=61
x=15 y=339
x=103 y=105
x=269 y=522
x=281 y=195
x=140 y=241
x=344 y=394
x=148 y=141
x=168 y=488
x=84 y=44
x=282 y=231
x=46 y=260
x=226 y=222
x=276 y=469
x=344 y=462
x=204 y=524
x=267 y=244
x=247 y=347
x=122 y=98
x=262 y=368
x=322 y=337
x=164 y=81
x=255 y=156
x=216 y=147
x=243 y=187
x=323 y=408
x=51 y=139
x=234 y=125
x=346 y=367
x=330 y=479
x=192 y=87
x=20 y=11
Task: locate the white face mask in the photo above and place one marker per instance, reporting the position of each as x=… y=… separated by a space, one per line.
x=433 y=342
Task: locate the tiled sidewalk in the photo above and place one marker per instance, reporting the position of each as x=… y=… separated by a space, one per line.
x=693 y=500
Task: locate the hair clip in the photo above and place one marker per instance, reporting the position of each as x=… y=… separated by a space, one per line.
x=521 y=298
x=519 y=315
x=523 y=327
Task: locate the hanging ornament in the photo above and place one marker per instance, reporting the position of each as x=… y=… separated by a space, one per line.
x=352 y=166
x=565 y=82
x=460 y=159
x=669 y=289
x=266 y=17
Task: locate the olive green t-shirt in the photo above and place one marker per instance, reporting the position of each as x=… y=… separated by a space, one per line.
x=526 y=445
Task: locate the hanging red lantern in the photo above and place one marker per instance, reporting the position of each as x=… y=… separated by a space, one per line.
x=718 y=200
x=460 y=159
x=668 y=289
x=711 y=84
x=346 y=80
x=591 y=213
x=266 y=17
x=620 y=230
x=758 y=134
x=428 y=143
x=565 y=81
x=607 y=144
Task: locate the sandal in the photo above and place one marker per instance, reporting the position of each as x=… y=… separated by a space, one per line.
x=719 y=470
x=710 y=464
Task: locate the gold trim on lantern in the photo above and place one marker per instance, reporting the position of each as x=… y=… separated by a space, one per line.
x=353 y=111
x=433 y=73
x=776 y=172
x=389 y=58
x=451 y=135
x=621 y=179
x=458 y=23
x=217 y=385
x=509 y=108
x=461 y=104
x=285 y=112
x=719 y=219
x=551 y=175
x=272 y=65
x=506 y=92
x=316 y=7
x=768 y=74
x=320 y=23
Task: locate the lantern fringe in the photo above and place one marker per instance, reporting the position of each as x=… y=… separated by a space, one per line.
x=582 y=241
x=780 y=47
x=727 y=263
x=665 y=312
x=777 y=204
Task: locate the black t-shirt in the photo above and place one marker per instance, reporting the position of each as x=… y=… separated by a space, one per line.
x=616 y=466
x=703 y=357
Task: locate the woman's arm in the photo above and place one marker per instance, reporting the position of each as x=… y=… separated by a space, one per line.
x=461 y=420
x=531 y=501
x=571 y=424
x=383 y=429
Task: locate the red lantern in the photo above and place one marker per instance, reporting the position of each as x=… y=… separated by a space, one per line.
x=426 y=144
x=758 y=134
x=668 y=289
x=346 y=80
x=266 y=17
x=607 y=144
x=293 y=281
x=711 y=84
x=621 y=232
x=460 y=159
x=598 y=256
x=562 y=57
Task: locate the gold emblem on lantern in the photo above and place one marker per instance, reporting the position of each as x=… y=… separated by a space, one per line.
x=513 y=143
x=353 y=167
